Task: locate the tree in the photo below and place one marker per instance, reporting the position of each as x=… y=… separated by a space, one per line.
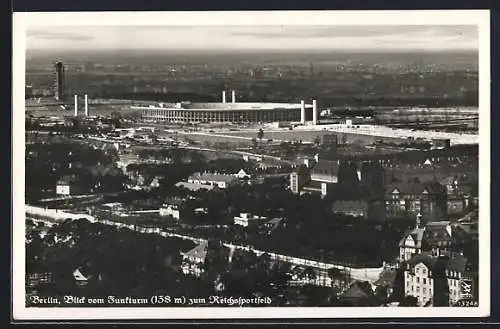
x=409 y=301
x=254 y=142
x=260 y=134
x=337 y=275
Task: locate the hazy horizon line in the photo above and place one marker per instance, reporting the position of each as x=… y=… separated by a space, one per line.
x=266 y=50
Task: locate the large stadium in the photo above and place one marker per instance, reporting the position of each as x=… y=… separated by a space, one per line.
x=228 y=112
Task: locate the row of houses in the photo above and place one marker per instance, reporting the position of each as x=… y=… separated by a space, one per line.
x=435 y=199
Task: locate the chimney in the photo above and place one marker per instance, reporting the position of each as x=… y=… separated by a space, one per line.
x=315 y=112
x=86 y=105
x=233 y=96
x=224 y=96
x=302 y=112
x=76 y=105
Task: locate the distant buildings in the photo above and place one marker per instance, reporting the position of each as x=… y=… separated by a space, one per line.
x=355 y=208
x=219 y=180
x=69 y=185
x=414 y=197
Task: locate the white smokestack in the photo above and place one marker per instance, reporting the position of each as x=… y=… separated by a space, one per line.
x=86 y=105
x=76 y=105
x=315 y=112
x=223 y=96
x=302 y=112
x=233 y=96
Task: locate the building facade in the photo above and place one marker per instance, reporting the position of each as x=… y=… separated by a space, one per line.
x=427 y=199
x=221 y=112
x=68 y=185
x=248 y=220
x=430 y=279
x=299 y=178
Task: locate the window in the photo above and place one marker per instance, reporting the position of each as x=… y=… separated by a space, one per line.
x=418 y=289
x=418 y=279
x=424 y=271
x=425 y=281
x=417 y=270
x=424 y=290
x=407 y=283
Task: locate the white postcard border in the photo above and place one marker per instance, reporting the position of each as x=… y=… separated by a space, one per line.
x=23 y=20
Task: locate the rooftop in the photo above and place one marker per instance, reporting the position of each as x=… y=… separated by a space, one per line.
x=240 y=106
x=212 y=177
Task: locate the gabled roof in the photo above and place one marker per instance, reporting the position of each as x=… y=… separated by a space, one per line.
x=417 y=235
x=415 y=187
x=457 y=263
x=325 y=167
x=200 y=251
x=359 y=290
x=436 y=233
x=212 y=177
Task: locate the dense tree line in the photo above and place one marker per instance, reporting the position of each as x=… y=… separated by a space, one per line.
x=112 y=261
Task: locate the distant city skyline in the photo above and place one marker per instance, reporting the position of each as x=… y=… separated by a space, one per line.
x=227 y=38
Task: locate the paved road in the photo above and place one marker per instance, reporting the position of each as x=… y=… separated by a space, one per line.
x=52 y=217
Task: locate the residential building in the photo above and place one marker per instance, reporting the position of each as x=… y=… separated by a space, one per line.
x=273 y=224
x=359 y=293
x=355 y=208
x=299 y=178
x=68 y=185
x=325 y=171
x=248 y=220
x=434 y=238
x=460 y=190
x=438 y=281
x=222 y=181
x=172 y=207
x=411 y=243
x=414 y=197
x=438 y=238
x=194 y=259
x=242 y=174
x=81 y=276
x=34 y=279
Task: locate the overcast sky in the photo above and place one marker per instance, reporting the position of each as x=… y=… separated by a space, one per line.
x=464 y=37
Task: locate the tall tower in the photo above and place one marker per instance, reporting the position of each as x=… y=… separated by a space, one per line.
x=58 y=80
x=315 y=112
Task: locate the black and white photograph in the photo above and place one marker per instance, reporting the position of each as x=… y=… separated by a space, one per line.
x=225 y=165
